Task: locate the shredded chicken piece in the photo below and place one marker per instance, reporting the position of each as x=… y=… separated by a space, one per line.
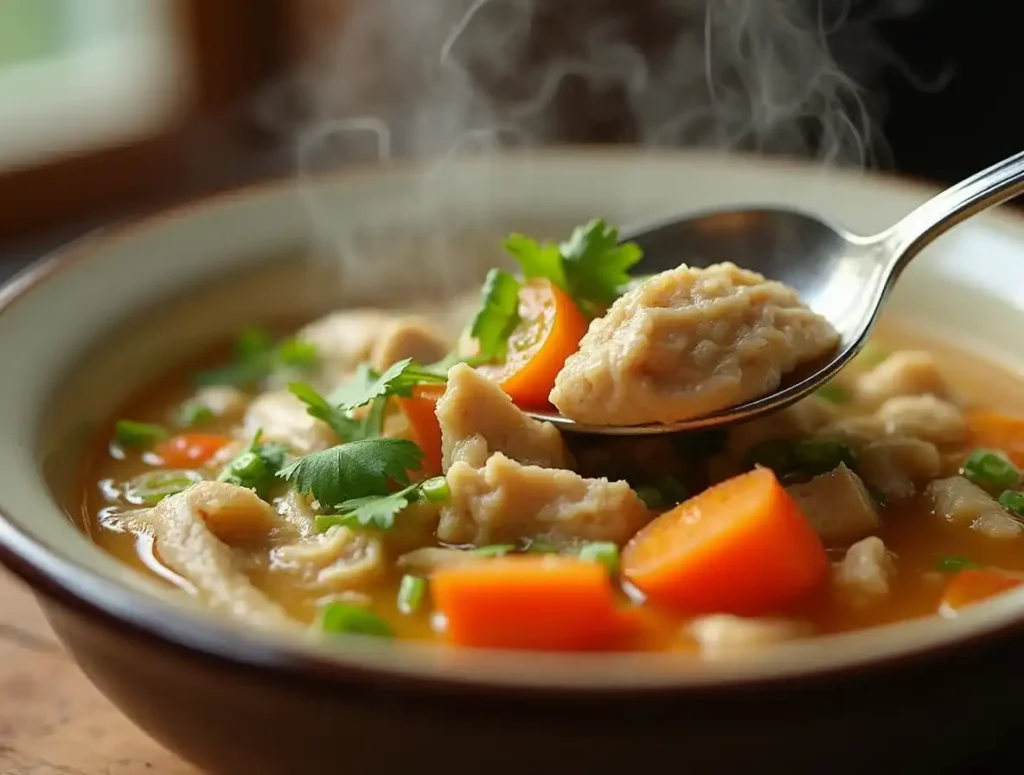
x=689 y=342
x=838 y=506
x=427 y=559
x=896 y=466
x=339 y=558
x=409 y=336
x=905 y=373
x=477 y=418
x=344 y=339
x=723 y=635
x=282 y=417
x=923 y=417
x=298 y=512
x=866 y=570
x=505 y=501
x=222 y=400
x=186 y=527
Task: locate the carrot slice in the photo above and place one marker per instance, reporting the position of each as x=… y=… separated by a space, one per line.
x=973 y=585
x=550 y=329
x=420 y=410
x=993 y=430
x=740 y=547
x=543 y=603
x=189 y=449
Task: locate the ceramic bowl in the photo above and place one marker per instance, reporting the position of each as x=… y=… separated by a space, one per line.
x=85 y=329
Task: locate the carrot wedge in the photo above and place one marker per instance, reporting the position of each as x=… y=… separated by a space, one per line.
x=189 y=449
x=972 y=585
x=540 y=603
x=420 y=410
x=997 y=431
x=549 y=331
x=741 y=547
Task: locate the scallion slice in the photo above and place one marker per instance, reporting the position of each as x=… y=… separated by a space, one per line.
x=130 y=433
x=1013 y=501
x=345 y=619
x=604 y=552
x=411 y=591
x=150 y=488
x=988 y=468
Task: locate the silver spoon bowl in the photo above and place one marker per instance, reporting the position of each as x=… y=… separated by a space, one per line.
x=844 y=277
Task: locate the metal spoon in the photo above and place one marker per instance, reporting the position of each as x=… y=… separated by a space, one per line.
x=842 y=276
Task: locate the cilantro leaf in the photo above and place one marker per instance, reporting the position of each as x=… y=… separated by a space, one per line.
x=377 y=511
x=256 y=356
x=354 y=470
x=596 y=265
x=399 y=379
x=498 y=315
x=591 y=266
x=318 y=407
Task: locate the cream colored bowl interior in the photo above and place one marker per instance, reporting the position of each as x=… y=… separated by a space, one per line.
x=129 y=305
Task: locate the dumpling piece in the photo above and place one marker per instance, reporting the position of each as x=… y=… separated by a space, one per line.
x=686 y=343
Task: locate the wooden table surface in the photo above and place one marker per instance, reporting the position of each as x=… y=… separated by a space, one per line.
x=52 y=721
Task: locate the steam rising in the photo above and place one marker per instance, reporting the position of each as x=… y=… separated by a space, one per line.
x=437 y=78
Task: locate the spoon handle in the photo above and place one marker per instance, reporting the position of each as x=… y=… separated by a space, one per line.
x=988 y=188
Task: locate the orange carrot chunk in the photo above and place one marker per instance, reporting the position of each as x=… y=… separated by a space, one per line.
x=741 y=547
x=420 y=410
x=972 y=585
x=549 y=331
x=541 y=603
x=993 y=430
x=189 y=449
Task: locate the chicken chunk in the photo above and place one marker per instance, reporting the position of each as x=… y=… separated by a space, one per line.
x=838 y=506
x=689 y=342
x=344 y=339
x=478 y=418
x=801 y=419
x=904 y=373
x=505 y=501
x=720 y=635
x=923 y=417
x=187 y=528
x=427 y=559
x=337 y=559
x=222 y=401
x=897 y=466
x=961 y=502
x=866 y=571
x=282 y=417
x=411 y=336
x=854 y=432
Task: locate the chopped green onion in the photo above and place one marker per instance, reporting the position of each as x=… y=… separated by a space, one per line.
x=775 y=454
x=494 y=550
x=194 y=413
x=130 y=433
x=344 y=619
x=833 y=393
x=411 y=591
x=251 y=342
x=1011 y=500
x=604 y=552
x=256 y=466
x=297 y=354
x=988 y=468
x=436 y=490
x=152 y=487
x=538 y=546
x=871 y=355
x=663 y=493
x=955 y=564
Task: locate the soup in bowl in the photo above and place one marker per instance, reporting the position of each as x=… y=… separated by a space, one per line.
x=305 y=493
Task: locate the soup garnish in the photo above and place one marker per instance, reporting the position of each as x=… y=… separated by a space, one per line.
x=375 y=474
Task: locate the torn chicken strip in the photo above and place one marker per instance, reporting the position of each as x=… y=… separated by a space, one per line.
x=686 y=343
x=282 y=417
x=478 y=418
x=296 y=509
x=337 y=559
x=838 y=506
x=189 y=529
x=897 y=466
x=720 y=635
x=923 y=417
x=410 y=336
x=505 y=501
x=866 y=571
x=345 y=339
x=961 y=502
x=222 y=401
x=904 y=373
x=427 y=559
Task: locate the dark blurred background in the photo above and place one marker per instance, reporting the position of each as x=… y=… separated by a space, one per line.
x=110 y=108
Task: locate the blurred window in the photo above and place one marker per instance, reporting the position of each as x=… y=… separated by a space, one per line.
x=77 y=75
